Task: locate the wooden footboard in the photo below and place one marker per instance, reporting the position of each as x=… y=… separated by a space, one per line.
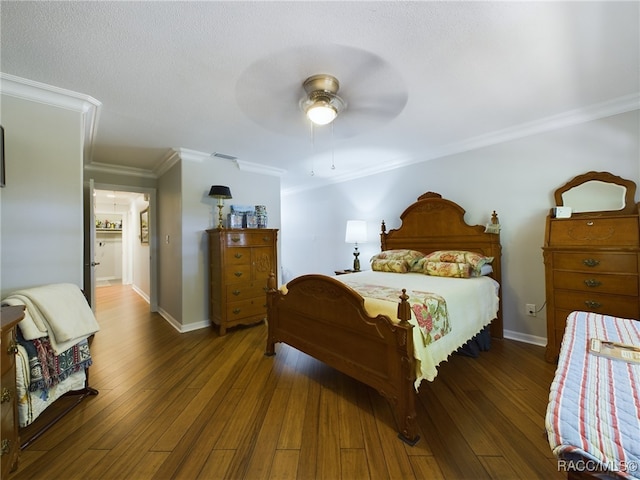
x=327 y=320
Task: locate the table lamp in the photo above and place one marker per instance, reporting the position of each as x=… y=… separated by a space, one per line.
x=220 y=192
x=356 y=232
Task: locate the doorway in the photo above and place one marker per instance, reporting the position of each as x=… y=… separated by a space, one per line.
x=119 y=255
x=122 y=243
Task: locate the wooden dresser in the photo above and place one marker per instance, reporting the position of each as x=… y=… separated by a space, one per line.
x=10 y=442
x=240 y=261
x=592 y=262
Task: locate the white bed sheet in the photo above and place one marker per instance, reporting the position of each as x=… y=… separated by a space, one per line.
x=471 y=302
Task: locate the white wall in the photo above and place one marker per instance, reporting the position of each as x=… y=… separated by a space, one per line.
x=41 y=205
x=515 y=178
x=169 y=230
x=186 y=212
x=108 y=255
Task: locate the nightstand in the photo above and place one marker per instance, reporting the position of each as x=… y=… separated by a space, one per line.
x=344 y=272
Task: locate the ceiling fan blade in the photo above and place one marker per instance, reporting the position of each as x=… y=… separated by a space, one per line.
x=270 y=90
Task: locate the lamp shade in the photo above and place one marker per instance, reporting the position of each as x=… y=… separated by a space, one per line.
x=220 y=191
x=356 y=231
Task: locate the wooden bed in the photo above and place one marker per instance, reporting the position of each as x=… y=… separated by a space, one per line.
x=326 y=319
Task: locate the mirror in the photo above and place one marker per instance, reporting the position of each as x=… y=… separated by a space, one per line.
x=598 y=192
x=595 y=196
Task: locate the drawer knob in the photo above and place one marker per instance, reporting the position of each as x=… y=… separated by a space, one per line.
x=236 y=292
x=592 y=283
x=592 y=304
x=238 y=274
x=591 y=262
x=236 y=311
x=265 y=239
x=6 y=447
x=238 y=255
x=590 y=223
x=5 y=396
x=235 y=239
x=13 y=348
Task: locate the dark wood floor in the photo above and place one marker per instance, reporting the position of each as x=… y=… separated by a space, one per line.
x=199 y=406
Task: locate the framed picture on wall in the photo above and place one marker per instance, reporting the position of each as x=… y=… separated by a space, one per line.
x=144 y=226
x=2 y=180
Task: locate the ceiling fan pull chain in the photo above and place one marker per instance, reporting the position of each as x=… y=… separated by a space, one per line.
x=333 y=150
x=313 y=146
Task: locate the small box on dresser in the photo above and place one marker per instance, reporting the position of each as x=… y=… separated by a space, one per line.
x=592 y=263
x=240 y=261
x=10 y=442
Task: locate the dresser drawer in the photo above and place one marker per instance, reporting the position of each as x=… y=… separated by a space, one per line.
x=237 y=256
x=244 y=291
x=594 y=282
x=596 y=262
x=615 y=305
x=237 y=274
x=249 y=238
x=7 y=359
x=247 y=308
x=621 y=231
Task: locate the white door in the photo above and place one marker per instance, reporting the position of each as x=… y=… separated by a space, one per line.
x=92 y=244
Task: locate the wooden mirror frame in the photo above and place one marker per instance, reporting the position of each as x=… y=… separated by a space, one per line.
x=629 y=208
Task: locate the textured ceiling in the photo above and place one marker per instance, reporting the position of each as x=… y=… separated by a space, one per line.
x=421 y=79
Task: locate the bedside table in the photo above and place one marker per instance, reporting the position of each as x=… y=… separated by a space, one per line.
x=344 y=272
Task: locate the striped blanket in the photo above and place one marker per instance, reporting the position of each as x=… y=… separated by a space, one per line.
x=593 y=415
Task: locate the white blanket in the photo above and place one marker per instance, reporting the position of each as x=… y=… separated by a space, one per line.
x=471 y=302
x=59 y=311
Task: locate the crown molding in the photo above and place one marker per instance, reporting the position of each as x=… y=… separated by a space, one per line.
x=195 y=156
x=170 y=159
x=87 y=106
x=119 y=170
x=257 y=168
x=192 y=155
x=616 y=106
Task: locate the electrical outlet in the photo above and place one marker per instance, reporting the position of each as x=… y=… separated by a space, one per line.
x=530 y=308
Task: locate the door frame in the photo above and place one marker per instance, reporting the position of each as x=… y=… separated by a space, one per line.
x=89 y=236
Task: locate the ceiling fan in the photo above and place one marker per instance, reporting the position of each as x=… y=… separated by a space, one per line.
x=277 y=91
x=322 y=103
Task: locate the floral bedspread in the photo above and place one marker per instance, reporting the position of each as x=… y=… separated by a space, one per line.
x=429 y=309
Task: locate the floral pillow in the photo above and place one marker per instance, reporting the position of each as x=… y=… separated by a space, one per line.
x=410 y=257
x=389 y=265
x=475 y=260
x=448 y=269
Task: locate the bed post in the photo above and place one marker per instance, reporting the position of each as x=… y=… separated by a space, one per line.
x=272 y=292
x=406 y=405
x=383 y=236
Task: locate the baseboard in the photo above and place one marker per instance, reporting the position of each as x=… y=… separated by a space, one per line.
x=141 y=293
x=183 y=328
x=526 y=338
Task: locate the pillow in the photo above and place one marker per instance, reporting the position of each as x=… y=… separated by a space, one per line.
x=389 y=265
x=475 y=260
x=408 y=256
x=448 y=269
x=486 y=269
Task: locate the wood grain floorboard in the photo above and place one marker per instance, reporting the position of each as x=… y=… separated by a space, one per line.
x=201 y=406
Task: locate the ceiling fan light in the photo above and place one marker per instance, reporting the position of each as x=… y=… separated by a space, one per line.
x=322 y=112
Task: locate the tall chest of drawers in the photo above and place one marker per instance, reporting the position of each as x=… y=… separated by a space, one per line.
x=240 y=261
x=9 y=441
x=592 y=263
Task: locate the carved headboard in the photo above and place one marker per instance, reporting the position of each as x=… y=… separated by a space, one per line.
x=434 y=223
